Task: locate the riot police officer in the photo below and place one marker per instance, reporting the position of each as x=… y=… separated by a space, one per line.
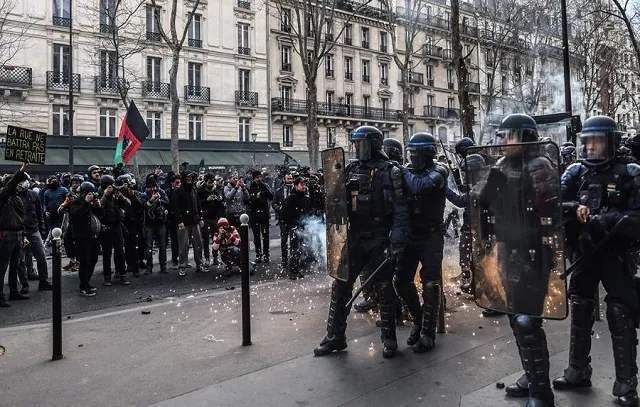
x=567 y=155
x=377 y=214
x=425 y=243
x=598 y=191
x=517 y=191
x=393 y=149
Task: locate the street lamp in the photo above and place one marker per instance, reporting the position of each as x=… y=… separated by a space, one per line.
x=70 y=81
x=254 y=137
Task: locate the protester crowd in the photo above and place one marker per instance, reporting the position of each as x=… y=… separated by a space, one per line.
x=125 y=220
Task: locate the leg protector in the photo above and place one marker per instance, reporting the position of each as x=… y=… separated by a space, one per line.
x=624 y=340
x=387 y=300
x=337 y=321
x=408 y=294
x=578 y=374
x=430 y=310
x=535 y=357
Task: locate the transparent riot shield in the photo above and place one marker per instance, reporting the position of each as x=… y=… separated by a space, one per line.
x=516 y=222
x=336 y=213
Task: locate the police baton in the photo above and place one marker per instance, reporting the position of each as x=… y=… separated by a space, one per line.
x=587 y=257
x=366 y=283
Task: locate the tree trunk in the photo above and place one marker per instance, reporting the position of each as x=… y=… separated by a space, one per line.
x=466 y=107
x=175 y=110
x=313 y=135
x=405 y=109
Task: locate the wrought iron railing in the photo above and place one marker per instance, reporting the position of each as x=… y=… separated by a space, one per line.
x=155 y=90
x=384 y=81
x=474 y=87
x=154 y=36
x=16 y=76
x=108 y=84
x=61 y=21
x=194 y=42
x=335 y=109
x=365 y=44
x=348 y=41
x=366 y=78
x=197 y=94
x=348 y=76
x=432 y=51
x=328 y=37
x=447 y=54
x=441 y=112
x=328 y=73
x=244 y=4
x=246 y=98
x=416 y=78
x=60 y=81
x=286 y=67
x=244 y=50
x=383 y=48
x=107 y=28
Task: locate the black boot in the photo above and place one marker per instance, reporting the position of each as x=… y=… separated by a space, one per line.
x=624 y=340
x=578 y=374
x=336 y=339
x=388 y=318
x=408 y=294
x=535 y=358
x=367 y=305
x=520 y=388
x=430 y=310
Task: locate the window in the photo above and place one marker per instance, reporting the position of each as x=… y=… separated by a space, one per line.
x=365 y=37
x=195 y=127
x=410 y=100
x=244 y=80
x=195 y=75
x=61 y=13
x=286 y=93
x=385 y=105
x=328 y=34
x=154 y=123
x=429 y=71
x=451 y=103
x=60 y=63
x=328 y=65
x=285 y=20
x=308 y=26
x=107 y=16
x=107 y=122
x=384 y=74
x=348 y=68
x=366 y=101
x=385 y=134
x=329 y=97
x=244 y=47
x=331 y=137
x=348 y=101
x=450 y=78
x=366 y=73
x=383 y=41
x=195 y=34
x=154 y=69
x=60 y=121
x=348 y=34
x=153 y=32
x=108 y=67
x=287 y=135
x=429 y=100
x=244 y=129
x=410 y=130
x=285 y=53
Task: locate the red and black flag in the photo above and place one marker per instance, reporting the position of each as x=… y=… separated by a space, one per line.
x=132 y=133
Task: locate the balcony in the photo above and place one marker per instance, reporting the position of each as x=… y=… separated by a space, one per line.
x=365 y=44
x=441 y=112
x=432 y=51
x=473 y=87
x=15 y=77
x=348 y=76
x=468 y=31
x=154 y=36
x=279 y=105
x=286 y=67
x=244 y=51
x=61 y=21
x=59 y=81
x=328 y=37
x=245 y=98
x=198 y=94
x=366 y=78
x=361 y=9
x=108 y=85
x=285 y=27
x=328 y=73
x=348 y=41
x=193 y=42
x=384 y=81
x=383 y=48
x=415 y=78
x=451 y=86
x=155 y=90
x=107 y=28
x=244 y=4
x=447 y=54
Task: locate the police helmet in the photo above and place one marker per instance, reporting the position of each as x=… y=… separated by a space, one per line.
x=77 y=178
x=133 y=183
x=106 y=181
x=367 y=140
x=93 y=168
x=473 y=162
x=517 y=128
x=462 y=146
x=121 y=181
x=393 y=148
x=568 y=144
x=422 y=149
x=87 y=187
x=600 y=139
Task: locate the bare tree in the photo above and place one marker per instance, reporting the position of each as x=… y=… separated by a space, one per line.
x=467 y=113
x=310 y=27
x=122 y=25
x=175 y=41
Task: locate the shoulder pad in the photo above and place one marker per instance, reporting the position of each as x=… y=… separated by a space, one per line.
x=576 y=169
x=633 y=169
x=396 y=172
x=351 y=165
x=443 y=169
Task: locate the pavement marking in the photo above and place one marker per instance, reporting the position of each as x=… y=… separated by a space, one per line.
x=165 y=301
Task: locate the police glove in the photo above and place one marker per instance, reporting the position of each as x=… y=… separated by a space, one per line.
x=396 y=249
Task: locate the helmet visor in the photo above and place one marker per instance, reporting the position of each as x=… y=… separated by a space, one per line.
x=597 y=146
x=363 y=149
x=509 y=136
x=418 y=158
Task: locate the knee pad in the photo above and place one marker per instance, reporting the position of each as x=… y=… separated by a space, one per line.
x=619 y=317
x=526 y=324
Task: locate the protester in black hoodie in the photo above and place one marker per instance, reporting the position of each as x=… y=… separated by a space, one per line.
x=212 y=204
x=259 y=196
x=188 y=217
x=281 y=194
x=156 y=204
x=11 y=234
x=113 y=205
x=133 y=217
x=294 y=209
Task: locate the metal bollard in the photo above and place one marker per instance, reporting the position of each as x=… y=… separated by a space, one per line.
x=246 y=306
x=56 y=301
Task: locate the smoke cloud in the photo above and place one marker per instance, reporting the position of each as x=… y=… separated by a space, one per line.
x=314 y=241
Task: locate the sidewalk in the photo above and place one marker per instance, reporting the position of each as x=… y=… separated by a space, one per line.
x=187 y=352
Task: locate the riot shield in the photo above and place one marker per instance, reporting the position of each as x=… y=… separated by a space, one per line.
x=516 y=221
x=336 y=213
